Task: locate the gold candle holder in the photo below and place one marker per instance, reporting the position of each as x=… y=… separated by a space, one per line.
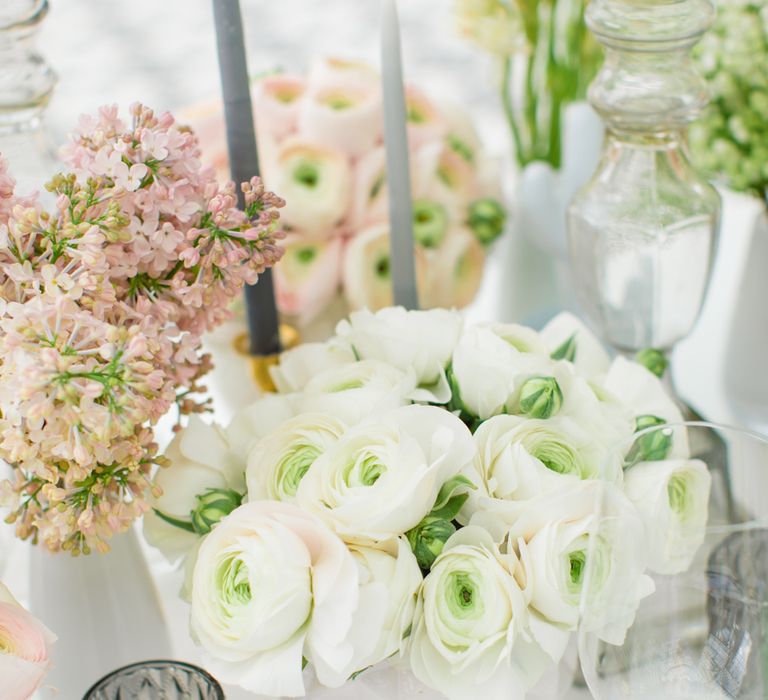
x=260 y=364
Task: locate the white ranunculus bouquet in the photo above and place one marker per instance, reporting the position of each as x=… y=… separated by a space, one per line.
x=431 y=494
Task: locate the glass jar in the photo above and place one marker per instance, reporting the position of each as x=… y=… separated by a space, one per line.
x=642 y=231
x=26 y=85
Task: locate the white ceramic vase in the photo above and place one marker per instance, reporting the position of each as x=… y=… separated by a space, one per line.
x=539 y=282
x=104 y=609
x=745 y=377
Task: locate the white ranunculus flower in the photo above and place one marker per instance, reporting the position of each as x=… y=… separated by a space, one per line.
x=273 y=584
x=472 y=636
x=644 y=393
x=353 y=391
x=200 y=460
x=672 y=497
x=390 y=580
x=253 y=422
x=484 y=368
x=521 y=458
x=422 y=341
x=520 y=337
x=383 y=476
x=554 y=388
x=279 y=461
x=566 y=337
x=584 y=535
x=300 y=364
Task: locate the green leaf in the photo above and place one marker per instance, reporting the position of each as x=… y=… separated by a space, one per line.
x=447 y=490
x=567 y=351
x=653 y=446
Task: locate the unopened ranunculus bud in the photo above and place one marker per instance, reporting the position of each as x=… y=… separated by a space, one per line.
x=653 y=360
x=487 y=218
x=212 y=506
x=651 y=446
x=430 y=223
x=541 y=397
x=428 y=538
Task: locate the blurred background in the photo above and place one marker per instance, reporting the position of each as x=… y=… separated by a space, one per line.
x=163 y=52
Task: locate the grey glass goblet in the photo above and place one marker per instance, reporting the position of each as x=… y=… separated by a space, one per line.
x=157 y=680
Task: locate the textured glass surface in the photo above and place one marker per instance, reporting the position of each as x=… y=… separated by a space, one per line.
x=157 y=680
x=702 y=633
x=642 y=232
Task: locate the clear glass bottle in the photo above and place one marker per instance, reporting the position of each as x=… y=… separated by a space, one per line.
x=642 y=232
x=26 y=85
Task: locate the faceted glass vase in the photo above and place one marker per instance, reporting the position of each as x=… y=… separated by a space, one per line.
x=157 y=680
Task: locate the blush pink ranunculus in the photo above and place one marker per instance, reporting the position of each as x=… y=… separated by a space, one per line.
x=333 y=71
x=308 y=276
x=369 y=190
x=425 y=121
x=276 y=103
x=348 y=119
x=366 y=270
x=315 y=182
x=24 y=649
x=455 y=271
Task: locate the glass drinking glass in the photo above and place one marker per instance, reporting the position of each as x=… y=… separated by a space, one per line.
x=701 y=631
x=157 y=680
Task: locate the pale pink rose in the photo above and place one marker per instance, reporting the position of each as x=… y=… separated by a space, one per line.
x=348 y=119
x=276 y=103
x=366 y=269
x=24 y=649
x=308 y=275
x=334 y=71
x=455 y=271
x=425 y=122
x=315 y=182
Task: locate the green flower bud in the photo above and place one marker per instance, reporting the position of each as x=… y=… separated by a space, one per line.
x=487 y=219
x=428 y=538
x=652 y=446
x=541 y=397
x=212 y=506
x=566 y=351
x=430 y=223
x=653 y=360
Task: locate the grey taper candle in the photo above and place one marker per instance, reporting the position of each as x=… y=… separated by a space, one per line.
x=260 y=306
x=402 y=263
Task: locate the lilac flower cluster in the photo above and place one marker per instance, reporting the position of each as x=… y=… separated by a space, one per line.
x=103 y=301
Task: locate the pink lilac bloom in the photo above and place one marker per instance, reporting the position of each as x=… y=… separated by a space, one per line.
x=103 y=302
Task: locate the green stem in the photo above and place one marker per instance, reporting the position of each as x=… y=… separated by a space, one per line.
x=509 y=110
